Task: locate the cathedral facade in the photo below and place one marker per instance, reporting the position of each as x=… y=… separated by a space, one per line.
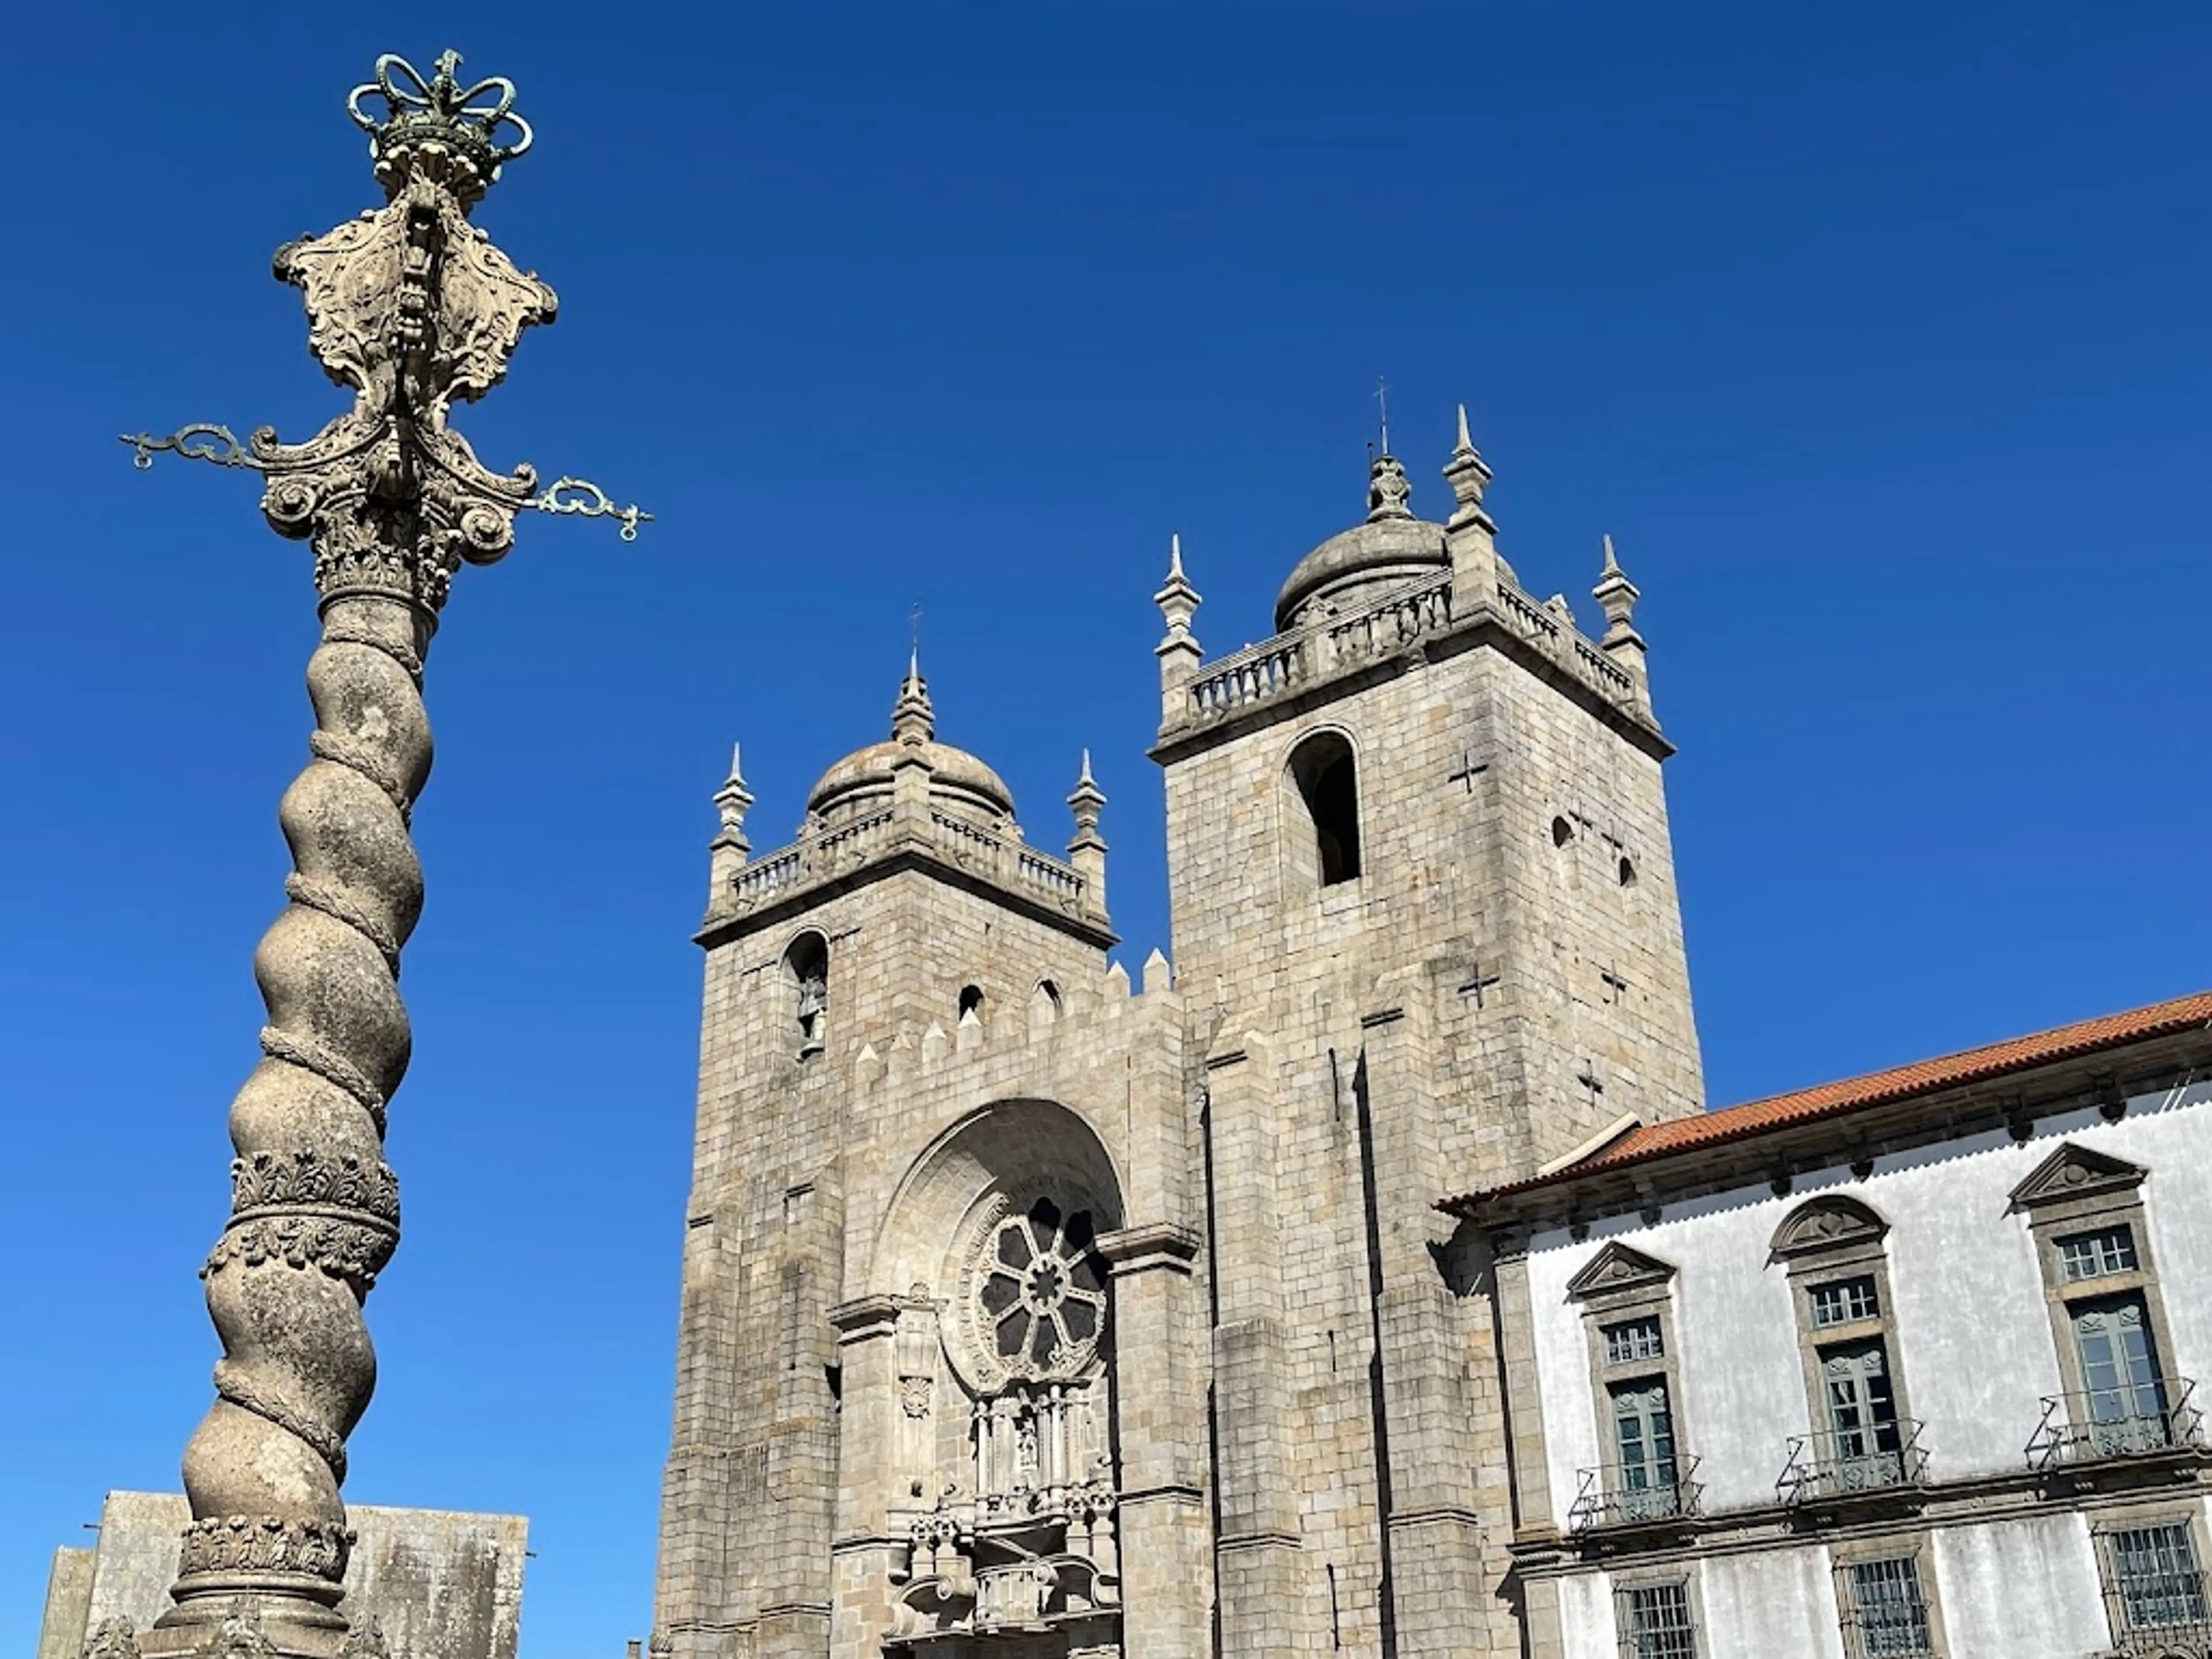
x=1030 y=1311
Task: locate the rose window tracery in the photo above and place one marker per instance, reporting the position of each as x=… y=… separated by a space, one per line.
x=1039 y=1293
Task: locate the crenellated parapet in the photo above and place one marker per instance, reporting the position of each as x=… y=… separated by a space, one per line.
x=1081 y=1027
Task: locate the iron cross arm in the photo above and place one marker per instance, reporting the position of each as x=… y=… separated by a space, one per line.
x=204 y=441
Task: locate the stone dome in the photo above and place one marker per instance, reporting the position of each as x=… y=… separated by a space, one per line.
x=1390 y=548
x=1380 y=553
x=956 y=778
x=953 y=772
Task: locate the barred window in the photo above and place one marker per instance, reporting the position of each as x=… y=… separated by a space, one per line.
x=2097 y=1254
x=2156 y=1584
x=1634 y=1339
x=1887 y=1610
x=1841 y=1301
x=1654 y=1622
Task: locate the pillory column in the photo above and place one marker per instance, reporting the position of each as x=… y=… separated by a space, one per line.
x=415 y=309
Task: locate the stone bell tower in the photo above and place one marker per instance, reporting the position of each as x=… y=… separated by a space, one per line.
x=939 y=1296
x=1424 y=915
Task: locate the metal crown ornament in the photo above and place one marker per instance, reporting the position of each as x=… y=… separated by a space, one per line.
x=439 y=118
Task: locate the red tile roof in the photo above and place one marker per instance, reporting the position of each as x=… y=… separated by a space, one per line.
x=1876 y=1089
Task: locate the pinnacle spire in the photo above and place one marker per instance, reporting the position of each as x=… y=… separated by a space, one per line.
x=1469 y=475
x=913 y=719
x=1086 y=798
x=1617 y=595
x=1177 y=600
x=732 y=802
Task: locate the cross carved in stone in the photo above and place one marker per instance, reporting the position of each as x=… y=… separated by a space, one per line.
x=1469 y=770
x=1590 y=1081
x=1477 y=983
x=1616 y=987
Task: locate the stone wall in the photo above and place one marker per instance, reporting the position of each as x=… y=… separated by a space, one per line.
x=444 y=1584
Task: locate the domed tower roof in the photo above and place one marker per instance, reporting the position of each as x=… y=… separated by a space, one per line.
x=1389 y=547
x=956 y=778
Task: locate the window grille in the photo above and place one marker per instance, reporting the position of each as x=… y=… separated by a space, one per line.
x=1887 y=1611
x=1655 y=1623
x=1842 y=1301
x=2156 y=1584
x=1635 y=1340
x=2097 y=1254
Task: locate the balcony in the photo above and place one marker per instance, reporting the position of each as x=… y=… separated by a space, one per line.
x=2108 y=1426
x=1886 y=1460
x=2191 y=1640
x=1619 y=1498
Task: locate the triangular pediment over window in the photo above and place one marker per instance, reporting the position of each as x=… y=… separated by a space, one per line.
x=1827 y=1224
x=1616 y=1268
x=2074 y=1171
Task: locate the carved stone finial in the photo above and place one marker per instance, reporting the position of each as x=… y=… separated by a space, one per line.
x=913 y=719
x=1087 y=801
x=1469 y=475
x=365 y=1640
x=114 y=1639
x=1617 y=595
x=1177 y=600
x=1387 y=489
x=733 y=801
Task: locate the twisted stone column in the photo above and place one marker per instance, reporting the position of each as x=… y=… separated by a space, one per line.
x=315 y=1210
x=413 y=309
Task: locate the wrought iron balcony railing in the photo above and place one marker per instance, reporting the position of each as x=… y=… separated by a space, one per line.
x=1857 y=1463
x=2095 y=1425
x=2192 y=1640
x=1636 y=1495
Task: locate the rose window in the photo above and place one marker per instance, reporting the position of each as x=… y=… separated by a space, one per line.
x=1040 y=1292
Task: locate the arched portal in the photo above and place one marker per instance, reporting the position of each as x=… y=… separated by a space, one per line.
x=1005 y=1362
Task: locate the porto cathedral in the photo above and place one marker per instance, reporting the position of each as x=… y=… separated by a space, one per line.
x=1029 y=1309
x=1367 y=1276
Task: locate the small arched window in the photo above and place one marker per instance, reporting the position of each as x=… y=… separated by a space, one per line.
x=1627 y=872
x=1044 y=1002
x=1562 y=832
x=1327 y=779
x=806 y=966
x=971 y=1002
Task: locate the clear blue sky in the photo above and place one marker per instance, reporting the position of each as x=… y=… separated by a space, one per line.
x=1877 y=335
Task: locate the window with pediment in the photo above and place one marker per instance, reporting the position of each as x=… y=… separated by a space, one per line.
x=1862 y=1440
x=2086 y=1212
x=1644 y=1477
